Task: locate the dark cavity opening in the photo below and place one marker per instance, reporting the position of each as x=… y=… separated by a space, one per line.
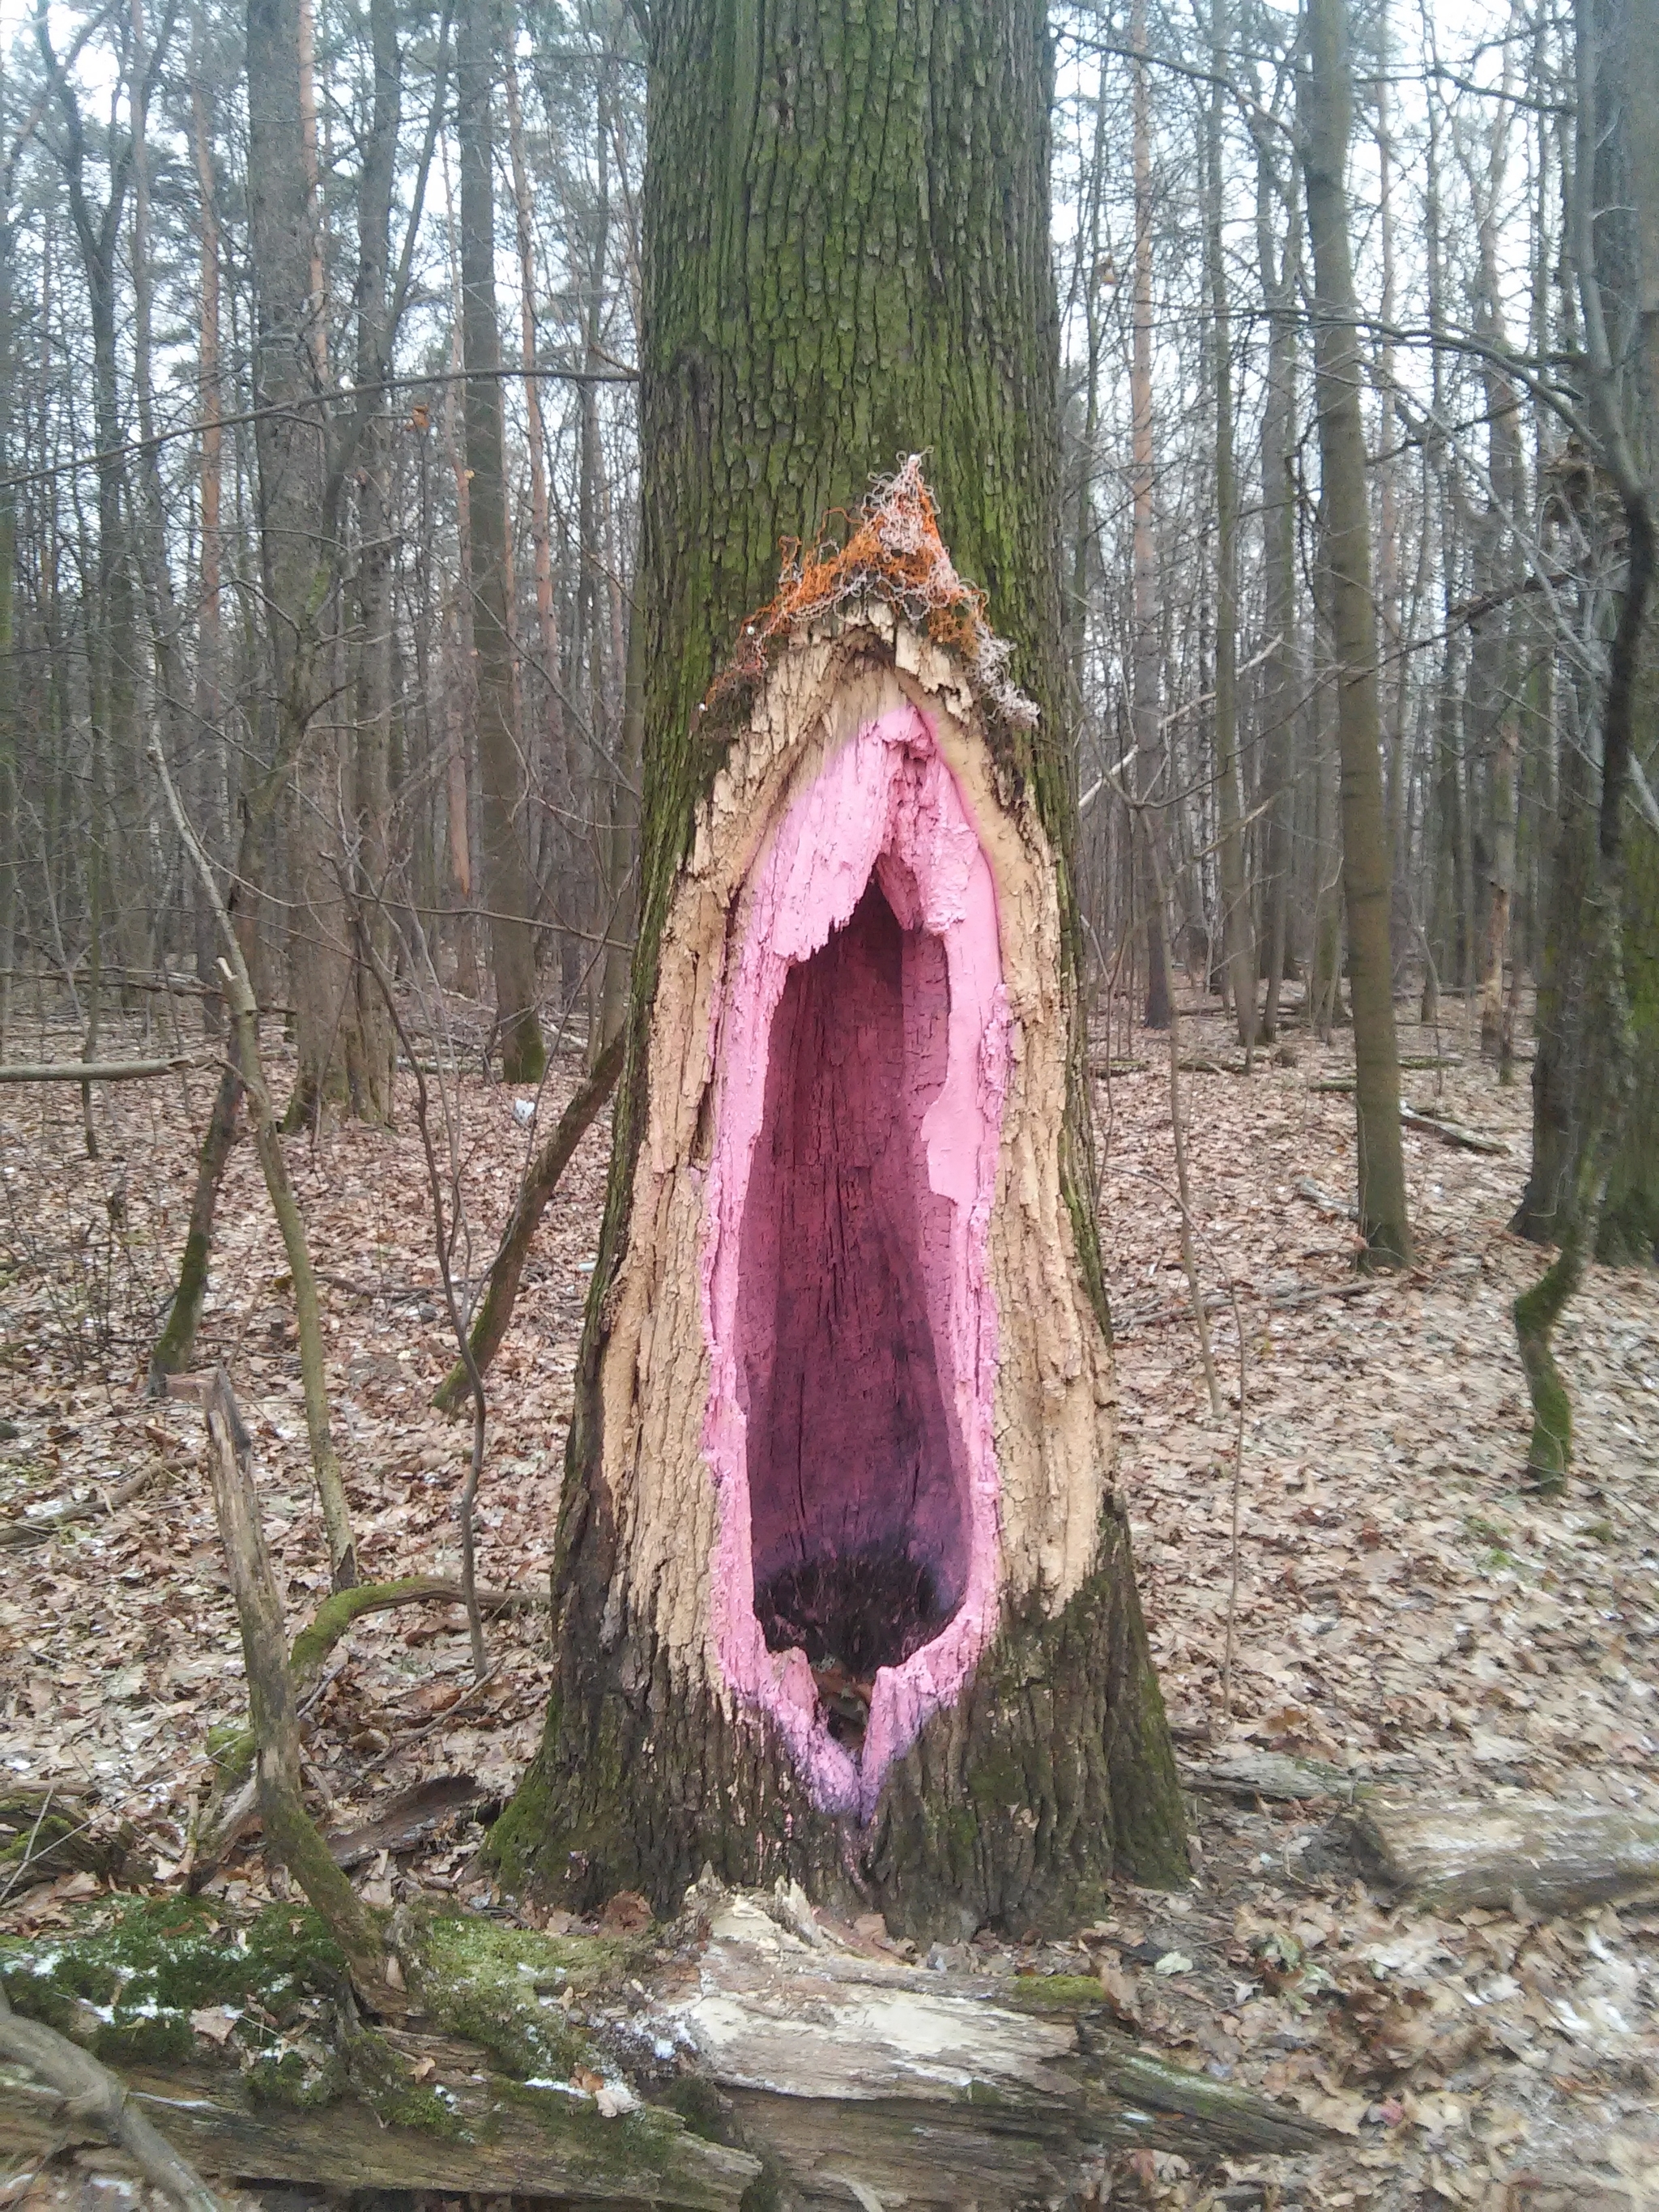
x=858 y=1527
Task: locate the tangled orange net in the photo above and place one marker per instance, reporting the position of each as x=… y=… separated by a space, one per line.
x=894 y=552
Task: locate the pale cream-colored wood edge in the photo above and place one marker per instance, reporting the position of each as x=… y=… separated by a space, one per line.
x=1053 y=1429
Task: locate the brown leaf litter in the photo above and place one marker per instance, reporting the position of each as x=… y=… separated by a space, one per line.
x=1403 y=1611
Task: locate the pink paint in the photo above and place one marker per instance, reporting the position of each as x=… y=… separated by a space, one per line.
x=863 y=1049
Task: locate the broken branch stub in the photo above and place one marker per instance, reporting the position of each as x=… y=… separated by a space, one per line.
x=844 y=1589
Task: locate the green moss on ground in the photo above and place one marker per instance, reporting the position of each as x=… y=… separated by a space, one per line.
x=125 y=1985
x=501 y=1988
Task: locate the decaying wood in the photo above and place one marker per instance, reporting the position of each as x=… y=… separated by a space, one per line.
x=1458 y=1853
x=76 y=2089
x=91 y=1071
x=409 y=1818
x=1273 y=1775
x=934 y=2089
x=497 y=2147
x=34 y=1527
x=1327 y=1202
x=1451 y=1132
x=853 y=2077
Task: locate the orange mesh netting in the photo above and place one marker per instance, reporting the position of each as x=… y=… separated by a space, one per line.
x=895 y=552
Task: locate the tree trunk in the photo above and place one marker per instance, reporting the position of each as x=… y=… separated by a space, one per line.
x=372 y=1046
x=208 y=749
x=1327 y=94
x=1281 y=686
x=295 y=557
x=1151 y=831
x=1236 y=930
x=843 y=1588
x=506 y=876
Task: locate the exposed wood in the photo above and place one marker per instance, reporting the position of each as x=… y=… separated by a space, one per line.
x=498 y=2147
x=35 y=1527
x=87 y=2092
x=1273 y=1775
x=1451 y=1132
x=410 y=1818
x=1458 y=1853
x=853 y=2076
x=91 y=1071
x=1317 y=1194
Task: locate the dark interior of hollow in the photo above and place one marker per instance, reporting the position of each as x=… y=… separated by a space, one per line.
x=857 y=1525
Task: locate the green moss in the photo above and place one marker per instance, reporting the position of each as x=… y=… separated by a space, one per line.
x=231 y=1746
x=386 y=2082
x=699 y=2104
x=126 y=1986
x=1051 y=1993
x=297 y=2081
x=498 y=1987
x=517 y=1836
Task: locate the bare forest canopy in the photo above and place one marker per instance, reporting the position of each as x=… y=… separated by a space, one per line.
x=319 y=471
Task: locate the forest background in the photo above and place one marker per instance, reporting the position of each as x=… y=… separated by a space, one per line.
x=338 y=586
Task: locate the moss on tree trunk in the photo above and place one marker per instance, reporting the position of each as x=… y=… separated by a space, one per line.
x=847 y=260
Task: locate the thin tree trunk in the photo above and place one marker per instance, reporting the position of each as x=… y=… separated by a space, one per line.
x=507 y=885
x=1151 y=833
x=1328 y=108
x=1236 y=934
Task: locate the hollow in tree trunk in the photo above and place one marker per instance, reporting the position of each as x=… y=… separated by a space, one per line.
x=843 y=1586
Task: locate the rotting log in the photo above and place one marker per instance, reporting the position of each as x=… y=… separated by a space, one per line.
x=811 y=2055
x=73 y=2083
x=91 y=1071
x=1452 y=1133
x=497 y=2142
x=1453 y=1852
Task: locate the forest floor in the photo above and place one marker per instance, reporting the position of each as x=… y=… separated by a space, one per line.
x=1399 y=1608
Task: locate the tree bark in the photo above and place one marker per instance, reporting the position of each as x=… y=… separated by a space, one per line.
x=919 y=316
x=1236 y=933
x=506 y=876
x=1150 y=834
x=1327 y=94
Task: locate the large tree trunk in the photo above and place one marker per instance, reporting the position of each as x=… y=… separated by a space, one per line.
x=844 y=1589
x=1327 y=110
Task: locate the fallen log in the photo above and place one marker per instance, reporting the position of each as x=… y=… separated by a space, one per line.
x=1317 y=1194
x=1273 y=1775
x=35 y=1527
x=1452 y=1133
x=845 y=2075
x=89 y=2095
x=491 y=2144
x=91 y=1071
x=1454 y=1853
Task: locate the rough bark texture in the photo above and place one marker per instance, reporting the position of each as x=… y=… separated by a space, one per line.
x=846 y=259
x=1052 y=1769
x=1337 y=372
x=170 y=1354
x=506 y=875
